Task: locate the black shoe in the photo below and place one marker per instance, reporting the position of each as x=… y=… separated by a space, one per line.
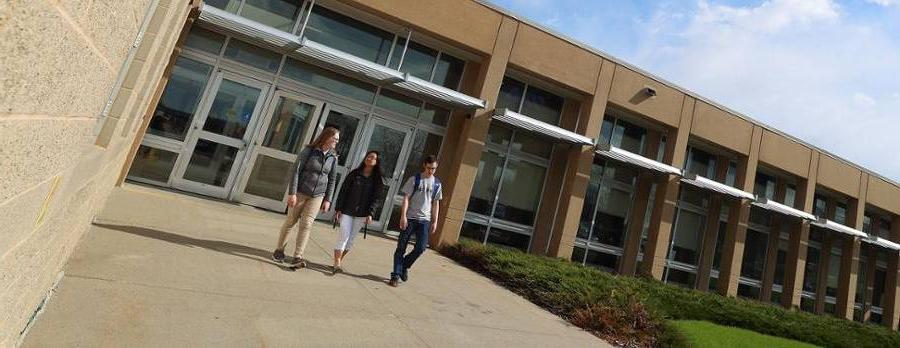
x=278 y=256
x=404 y=276
x=394 y=281
x=336 y=270
x=297 y=262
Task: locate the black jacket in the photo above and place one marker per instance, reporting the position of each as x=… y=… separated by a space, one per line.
x=359 y=194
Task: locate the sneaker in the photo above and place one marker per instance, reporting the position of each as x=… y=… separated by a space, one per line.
x=394 y=281
x=278 y=256
x=404 y=276
x=336 y=270
x=297 y=262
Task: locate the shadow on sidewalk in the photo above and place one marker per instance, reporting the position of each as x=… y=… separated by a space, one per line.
x=229 y=248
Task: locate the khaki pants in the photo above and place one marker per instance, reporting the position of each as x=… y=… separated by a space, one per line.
x=305 y=212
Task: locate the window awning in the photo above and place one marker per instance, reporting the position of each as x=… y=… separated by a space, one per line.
x=615 y=153
x=248 y=29
x=529 y=124
x=332 y=58
x=712 y=185
x=836 y=227
x=771 y=205
x=884 y=243
x=440 y=93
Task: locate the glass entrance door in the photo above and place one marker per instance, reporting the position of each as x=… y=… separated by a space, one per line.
x=220 y=135
x=282 y=133
x=350 y=124
x=392 y=141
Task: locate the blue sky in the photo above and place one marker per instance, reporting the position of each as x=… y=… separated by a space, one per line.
x=827 y=72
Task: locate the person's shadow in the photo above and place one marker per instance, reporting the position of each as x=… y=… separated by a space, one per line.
x=229 y=248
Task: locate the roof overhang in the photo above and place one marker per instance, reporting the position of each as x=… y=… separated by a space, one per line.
x=884 y=243
x=248 y=29
x=836 y=227
x=524 y=122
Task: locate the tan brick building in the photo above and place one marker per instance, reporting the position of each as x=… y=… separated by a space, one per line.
x=546 y=145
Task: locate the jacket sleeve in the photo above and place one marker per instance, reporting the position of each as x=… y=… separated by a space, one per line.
x=329 y=192
x=342 y=192
x=302 y=157
x=375 y=195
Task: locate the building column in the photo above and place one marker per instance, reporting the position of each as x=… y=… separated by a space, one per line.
x=632 y=247
x=892 y=280
x=664 y=204
x=738 y=217
x=850 y=254
x=561 y=239
x=795 y=262
x=768 y=277
x=708 y=249
x=465 y=135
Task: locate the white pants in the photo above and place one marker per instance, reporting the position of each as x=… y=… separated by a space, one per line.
x=350 y=225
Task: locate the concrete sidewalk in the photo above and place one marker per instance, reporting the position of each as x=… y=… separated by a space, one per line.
x=168 y=269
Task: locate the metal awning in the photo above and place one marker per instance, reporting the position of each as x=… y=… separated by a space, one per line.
x=771 y=205
x=527 y=123
x=836 y=227
x=701 y=182
x=440 y=93
x=248 y=29
x=615 y=153
x=884 y=243
x=323 y=55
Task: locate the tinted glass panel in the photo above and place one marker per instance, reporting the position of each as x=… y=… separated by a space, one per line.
x=287 y=125
x=434 y=114
x=418 y=61
x=424 y=143
x=473 y=231
x=688 y=233
x=578 y=255
x=811 y=271
x=227 y=5
x=520 y=192
x=349 y=35
x=487 y=182
x=701 y=163
x=398 y=103
x=612 y=210
x=232 y=109
x=510 y=94
x=176 y=108
x=449 y=71
x=628 y=137
x=754 y=261
x=499 y=135
x=542 y=105
x=681 y=278
x=210 y=163
x=329 y=81
x=205 y=40
x=834 y=268
x=604 y=261
x=269 y=177
x=279 y=14
x=153 y=164
x=509 y=239
x=590 y=201
x=253 y=56
x=347 y=125
x=533 y=145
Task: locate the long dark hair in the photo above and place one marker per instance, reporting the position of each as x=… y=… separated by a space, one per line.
x=376 y=170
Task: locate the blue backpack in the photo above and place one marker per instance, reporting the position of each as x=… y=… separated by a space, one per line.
x=434 y=188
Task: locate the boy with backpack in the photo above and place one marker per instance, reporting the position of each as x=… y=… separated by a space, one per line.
x=421 y=195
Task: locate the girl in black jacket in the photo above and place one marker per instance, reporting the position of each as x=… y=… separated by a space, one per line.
x=355 y=204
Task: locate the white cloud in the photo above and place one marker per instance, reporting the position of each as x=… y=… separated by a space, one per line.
x=803 y=67
x=885 y=3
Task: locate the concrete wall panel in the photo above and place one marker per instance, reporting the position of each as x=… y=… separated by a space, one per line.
x=883 y=194
x=838 y=176
x=785 y=154
x=628 y=91
x=552 y=58
x=722 y=128
x=465 y=22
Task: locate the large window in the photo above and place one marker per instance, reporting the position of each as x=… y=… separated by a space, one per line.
x=530 y=101
x=179 y=101
x=507 y=192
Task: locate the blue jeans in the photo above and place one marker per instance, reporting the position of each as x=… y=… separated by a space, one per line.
x=418 y=227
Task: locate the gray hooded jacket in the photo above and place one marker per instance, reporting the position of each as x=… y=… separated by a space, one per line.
x=314 y=173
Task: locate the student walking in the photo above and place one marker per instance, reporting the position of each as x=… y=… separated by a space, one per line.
x=355 y=205
x=310 y=191
x=419 y=212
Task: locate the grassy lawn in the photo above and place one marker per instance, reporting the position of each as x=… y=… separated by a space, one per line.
x=642 y=312
x=702 y=334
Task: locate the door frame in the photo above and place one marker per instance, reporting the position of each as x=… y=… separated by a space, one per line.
x=256 y=149
x=196 y=133
x=381 y=222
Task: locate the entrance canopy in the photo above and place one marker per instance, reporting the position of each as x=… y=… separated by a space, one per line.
x=523 y=122
x=329 y=57
x=624 y=156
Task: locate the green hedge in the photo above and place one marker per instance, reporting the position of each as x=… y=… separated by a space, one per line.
x=568 y=289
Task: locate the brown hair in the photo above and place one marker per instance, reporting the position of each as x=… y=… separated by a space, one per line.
x=326 y=134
